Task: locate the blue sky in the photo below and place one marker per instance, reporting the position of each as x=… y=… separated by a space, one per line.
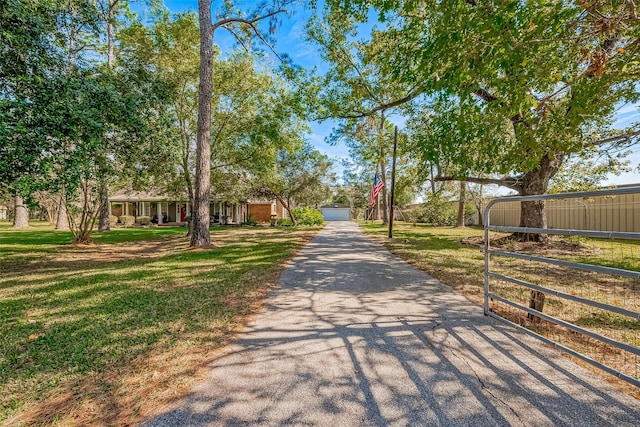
x=290 y=40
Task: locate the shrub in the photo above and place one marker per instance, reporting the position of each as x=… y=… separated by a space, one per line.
x=249 y=221
x=127 y=220
x=438 y=210
x=285 y=222
x=143 y=220
x=411 y=215
x=113 y=220
x=308 y=216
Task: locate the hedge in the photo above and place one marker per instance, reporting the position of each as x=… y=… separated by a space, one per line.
x=127 y=220
x=143 y=220
x=308 y=216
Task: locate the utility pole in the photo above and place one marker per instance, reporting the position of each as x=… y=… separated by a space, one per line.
x=393 y=181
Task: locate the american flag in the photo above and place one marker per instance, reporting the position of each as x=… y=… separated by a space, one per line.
x=378 y=185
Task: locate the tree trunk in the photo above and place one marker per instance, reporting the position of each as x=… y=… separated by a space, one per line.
x=187 y=178
x=287 y=206
x=200 y=235
x=82 y=225
x=104 y=223
x=532 y=213
x=480 y=206
x=536 y=301
x=463 y=188
x=111 y=38
x=21 y=218
x=292 y=217
x=480 y=215
x=62 y=221
x=432 y=180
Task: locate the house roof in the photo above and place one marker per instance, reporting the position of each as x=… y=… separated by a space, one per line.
x=148 y=196
x=143 y=196
x=260 y=202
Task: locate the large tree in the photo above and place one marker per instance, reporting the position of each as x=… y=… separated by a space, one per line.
x=57 y=128
x=252 y=117
x=30 y=52
x=243 y=26
x=169 y=47
x=514 y=87
x=109 y=12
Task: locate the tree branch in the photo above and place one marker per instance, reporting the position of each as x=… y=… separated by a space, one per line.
x=488 y=97
x=509 y=182
x=238 y=38
x=346 y=56
x=412 y=95
x=224 y=123
x=485 y=95
x=236 y=162
x=617 y=139
x=250 y=22
x=261 y=37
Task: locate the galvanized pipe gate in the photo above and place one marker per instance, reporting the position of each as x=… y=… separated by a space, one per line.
x=491 y=277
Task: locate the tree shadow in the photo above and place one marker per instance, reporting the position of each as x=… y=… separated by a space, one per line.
x=355 y=336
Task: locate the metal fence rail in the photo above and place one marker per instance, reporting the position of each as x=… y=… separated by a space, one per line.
x=607 y=314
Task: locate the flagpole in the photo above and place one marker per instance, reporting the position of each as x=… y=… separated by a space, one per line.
x=393 y=181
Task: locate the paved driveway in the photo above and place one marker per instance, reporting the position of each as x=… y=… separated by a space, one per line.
x=355 y=336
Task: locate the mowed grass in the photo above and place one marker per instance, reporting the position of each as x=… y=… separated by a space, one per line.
x=106 y=334
x=440 y=252
x=19 y=246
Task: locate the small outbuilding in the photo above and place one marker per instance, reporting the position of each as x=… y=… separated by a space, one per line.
x=336 y=213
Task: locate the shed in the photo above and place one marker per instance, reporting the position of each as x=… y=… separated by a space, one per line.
x=336 y=213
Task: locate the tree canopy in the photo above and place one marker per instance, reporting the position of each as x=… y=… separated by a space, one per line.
x=506 y=88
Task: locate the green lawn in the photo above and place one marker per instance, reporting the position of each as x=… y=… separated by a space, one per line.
x=72 y=313
x=21 y=245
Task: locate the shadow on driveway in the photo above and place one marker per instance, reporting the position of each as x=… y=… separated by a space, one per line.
x=355 y=336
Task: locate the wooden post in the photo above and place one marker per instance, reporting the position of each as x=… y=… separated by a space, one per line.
x=393 y=181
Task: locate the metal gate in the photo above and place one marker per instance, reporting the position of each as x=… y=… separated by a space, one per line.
x=588 y=280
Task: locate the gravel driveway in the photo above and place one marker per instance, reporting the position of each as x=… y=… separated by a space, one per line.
x=355 y=336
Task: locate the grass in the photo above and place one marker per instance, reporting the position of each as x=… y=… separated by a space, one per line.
x=24 y=245
x=440 y=252
x=104 y=334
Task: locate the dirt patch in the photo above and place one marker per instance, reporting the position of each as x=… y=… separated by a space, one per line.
x=121 y=251
x=553 y=247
